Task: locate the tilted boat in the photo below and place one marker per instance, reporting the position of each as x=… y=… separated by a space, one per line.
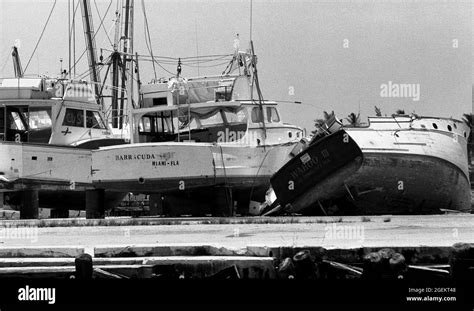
x=317 y=173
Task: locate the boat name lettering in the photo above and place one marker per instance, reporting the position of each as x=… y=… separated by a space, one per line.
x=164 y=163
x=298 y=172
x=305 y=158
x=165 y=156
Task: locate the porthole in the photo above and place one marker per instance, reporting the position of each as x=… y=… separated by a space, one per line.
x=450 y=128
x=435 y=126
x=465 y=135
x=455 y=126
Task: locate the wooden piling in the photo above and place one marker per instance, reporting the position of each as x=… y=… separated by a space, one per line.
x=223 y=202
x=84 y=267
x=156 y=204
x=29 y=208
x=95 y=204
x=461 y=261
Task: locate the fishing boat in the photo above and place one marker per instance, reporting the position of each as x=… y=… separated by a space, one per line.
x=412 y=165
x=48 y=127
x=200 y=143
x=190 y=138
x=317 y=173
x=402 y=165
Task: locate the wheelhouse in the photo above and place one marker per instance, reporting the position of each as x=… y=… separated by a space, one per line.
x=30 y=112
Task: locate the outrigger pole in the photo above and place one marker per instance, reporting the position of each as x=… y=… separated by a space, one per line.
x=127 y=45
x=259 y=92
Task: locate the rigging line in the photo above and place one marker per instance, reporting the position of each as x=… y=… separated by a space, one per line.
x=41 y=36
x=99 y=67
x=172 y=73
x=202 y=58
x=73 y=29
x=173 y=58
x=93 y=38
x=213 y=65
x=103 y=27
x=110 y=30
x=189 y=63
x=197 y=45
x=207 y=66
x=73 y=18
x=147 y=34
x=69 y=36
x=258 y=171
x=223 y=165
x=72 y=35
x=197 y=61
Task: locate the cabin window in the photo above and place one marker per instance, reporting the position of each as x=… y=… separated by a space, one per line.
x=235 y=117
x=185 y=123
x=435 y=126
x=450 y=128
x=39 y=118
x=144 y=125
x=214 y=119
x=161 y=123
x=74 y=117
x=272 y=115
x=93 y=120
x=16 y=122
x=257 y=116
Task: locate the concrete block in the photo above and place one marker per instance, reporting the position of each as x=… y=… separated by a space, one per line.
x=43 y=251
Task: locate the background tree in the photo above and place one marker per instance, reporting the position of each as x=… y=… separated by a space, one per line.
x=353 y=119
x=468 y=118
x=320 y=122
x=378 y=112
x=317 y=124
x=328 y=116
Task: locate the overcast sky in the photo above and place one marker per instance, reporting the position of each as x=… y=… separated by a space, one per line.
x=331 y=55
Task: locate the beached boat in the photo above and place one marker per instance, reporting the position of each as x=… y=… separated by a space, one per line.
x=47 y=129
x=212 y=143
x=317 y=173
x=412 y=165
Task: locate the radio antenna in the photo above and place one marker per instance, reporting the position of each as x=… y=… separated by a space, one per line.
x=250 y=20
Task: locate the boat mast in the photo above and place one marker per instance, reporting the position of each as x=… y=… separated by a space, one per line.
x=69 y=36
x=127 y=48
x=91 y=49
x=115 y=61
x=259 y=92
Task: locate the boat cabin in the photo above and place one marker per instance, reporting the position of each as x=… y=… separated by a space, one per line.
x=30 y=111
x=214 y=110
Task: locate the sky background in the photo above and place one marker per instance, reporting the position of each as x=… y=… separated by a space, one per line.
x=331 y=55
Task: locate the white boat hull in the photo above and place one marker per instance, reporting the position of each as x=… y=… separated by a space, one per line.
x=60 y=174
x=411 y=169
x=180 y=167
